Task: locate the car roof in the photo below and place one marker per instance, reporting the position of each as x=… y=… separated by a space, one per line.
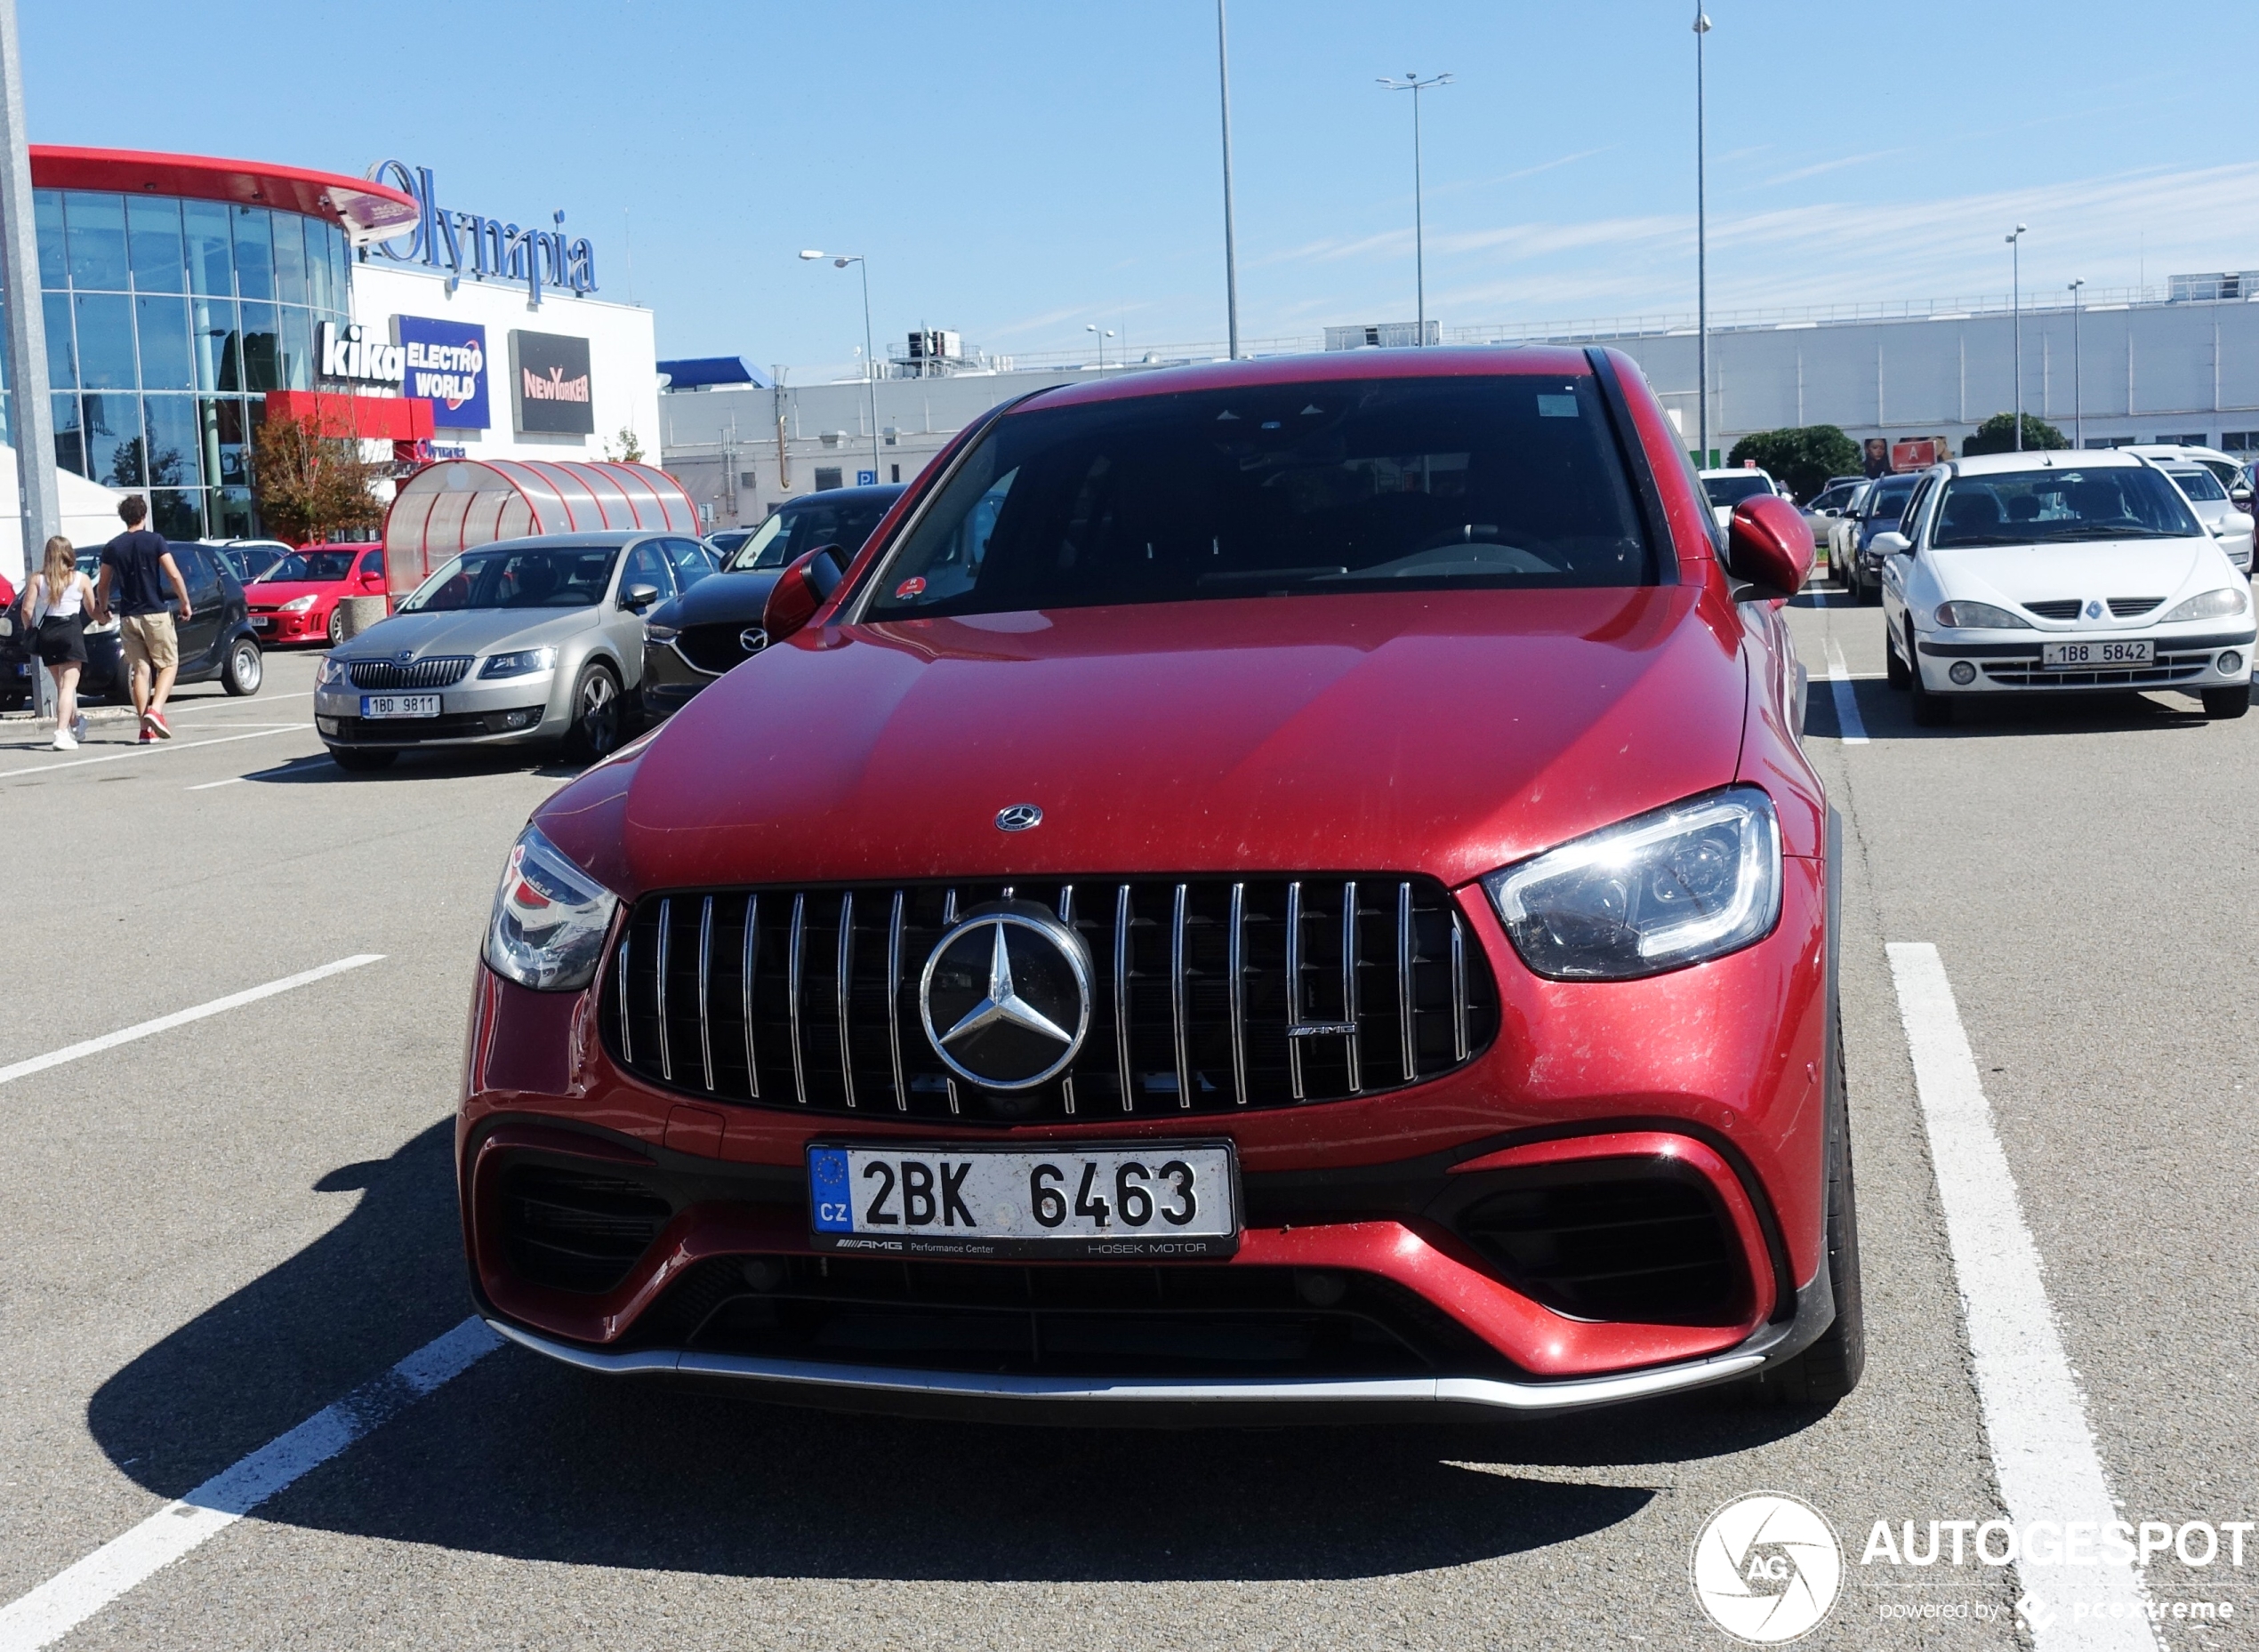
x=2048 y=458
x=1321 y=367
x=885 y=493
x=1736 y=471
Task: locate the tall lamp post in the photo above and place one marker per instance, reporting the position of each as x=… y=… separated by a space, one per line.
x=1701 y=249
x=1103 y=335
x=869 y=357
x=1413 y=84
x=33 y=423
x=2077 y=363
x=1231 y=255
x=2015 y=308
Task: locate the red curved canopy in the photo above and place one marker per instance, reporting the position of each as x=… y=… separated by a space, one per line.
x=449 y=507
x=365 y=210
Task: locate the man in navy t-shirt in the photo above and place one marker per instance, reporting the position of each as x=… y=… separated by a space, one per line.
x=136 y=567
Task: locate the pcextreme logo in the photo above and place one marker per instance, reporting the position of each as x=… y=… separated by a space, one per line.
x=1767 y=1567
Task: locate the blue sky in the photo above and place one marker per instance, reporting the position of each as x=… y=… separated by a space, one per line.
x=1018 y=170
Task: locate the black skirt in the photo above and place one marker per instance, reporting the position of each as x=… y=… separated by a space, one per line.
x=62 y=639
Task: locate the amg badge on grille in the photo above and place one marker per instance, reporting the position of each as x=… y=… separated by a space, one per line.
x=1006 y=996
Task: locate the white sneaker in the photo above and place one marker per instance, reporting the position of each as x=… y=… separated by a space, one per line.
x=63 y=742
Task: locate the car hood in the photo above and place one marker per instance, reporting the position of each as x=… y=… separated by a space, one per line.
x=719 y=599
x=2105 y=568
x=274 y=593
x=468 y=630
x=1446 y=733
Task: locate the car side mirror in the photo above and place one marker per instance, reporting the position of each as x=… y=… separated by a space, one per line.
x=2241 y=498
x=805 y=585
x=1768 y=549
x=1892 y=542
x=638 y=598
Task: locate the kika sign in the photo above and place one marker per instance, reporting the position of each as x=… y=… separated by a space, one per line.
x=470 y=243
x=346 y=353
x=550 y=383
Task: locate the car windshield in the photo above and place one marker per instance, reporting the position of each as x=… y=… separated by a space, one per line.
x=2059 y=506
x=499 y=576
x=1511 y=482
x=729 y=540
x=788 y=535
x=1732 y=490
x=1888 y=498
x=2197 y=484
x=313 y=567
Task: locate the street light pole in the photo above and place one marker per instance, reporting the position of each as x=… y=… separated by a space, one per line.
x=32 y=417
x=870 y=356
x=1414 y=84
x=2015 y=308
x=1103 y=335
x=1701 y=250
x=1231 y=255
x=2077 y=364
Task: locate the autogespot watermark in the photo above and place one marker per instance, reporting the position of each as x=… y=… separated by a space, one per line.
x=1767 y=1567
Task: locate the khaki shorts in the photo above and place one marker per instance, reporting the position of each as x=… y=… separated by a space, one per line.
x=150 y=641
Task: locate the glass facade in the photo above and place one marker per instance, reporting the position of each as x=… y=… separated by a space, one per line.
x=167 y=321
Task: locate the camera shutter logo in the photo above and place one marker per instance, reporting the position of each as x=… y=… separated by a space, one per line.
x=1767 y=1569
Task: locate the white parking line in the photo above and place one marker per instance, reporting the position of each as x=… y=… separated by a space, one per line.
x=182 y=1017
x=1847 y=718
x=232 y=780
x=2035 y=1416
x=142 y=751
x=72 y=1596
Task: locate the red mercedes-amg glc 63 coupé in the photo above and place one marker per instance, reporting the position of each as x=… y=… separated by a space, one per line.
x=1264 y=888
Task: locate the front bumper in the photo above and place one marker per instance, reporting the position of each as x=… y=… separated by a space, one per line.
x=2192 y=661
x=505 y=710
x=670 y=681
x=274 y=627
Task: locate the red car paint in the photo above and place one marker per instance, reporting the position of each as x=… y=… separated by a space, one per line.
x=363 y=576
x=1447 y=734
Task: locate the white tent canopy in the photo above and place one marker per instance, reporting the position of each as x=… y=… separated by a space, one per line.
x=447 y=508
x=90 y=516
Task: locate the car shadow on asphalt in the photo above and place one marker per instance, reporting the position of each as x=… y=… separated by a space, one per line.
x=524 y=1458
x=1888 y=713
x=418 y=766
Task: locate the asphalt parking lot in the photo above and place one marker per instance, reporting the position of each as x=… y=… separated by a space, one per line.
x=210 y=1233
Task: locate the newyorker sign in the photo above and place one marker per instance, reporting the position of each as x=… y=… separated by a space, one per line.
x=446 y=363
x=550 y=378
x=470 y=243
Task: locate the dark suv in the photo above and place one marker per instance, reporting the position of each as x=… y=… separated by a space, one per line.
x=216 y=640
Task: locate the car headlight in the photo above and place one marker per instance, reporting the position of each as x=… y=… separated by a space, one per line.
x=298 y=605
x=550 y=919
x=332 y=673
x=660 y=633
x=1681 y=885
x=1980 y=616
x=522 y=663
x=2213 y=605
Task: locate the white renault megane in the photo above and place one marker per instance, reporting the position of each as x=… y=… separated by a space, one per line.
x=2050 y=572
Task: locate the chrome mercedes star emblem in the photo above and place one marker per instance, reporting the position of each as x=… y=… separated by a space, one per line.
x=1006 y=996
x=1018 y=817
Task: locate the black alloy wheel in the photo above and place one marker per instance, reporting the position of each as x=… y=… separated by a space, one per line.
x=2220 y=704
x=246 y=667
x=362 y=762
x=597 y=711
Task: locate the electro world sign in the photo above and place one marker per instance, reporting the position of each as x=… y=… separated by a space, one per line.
x=444 y=363
x=472 y=243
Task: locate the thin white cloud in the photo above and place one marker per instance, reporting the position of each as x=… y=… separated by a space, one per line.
x=1837 y=165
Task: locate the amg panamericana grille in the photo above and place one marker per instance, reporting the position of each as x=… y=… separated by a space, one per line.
x=1208 y=995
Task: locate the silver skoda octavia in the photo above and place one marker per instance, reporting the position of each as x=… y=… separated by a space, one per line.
x=524 y=641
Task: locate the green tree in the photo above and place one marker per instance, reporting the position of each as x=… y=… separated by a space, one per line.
x=1997 y=435
x=1801 y=458
x=310 y=486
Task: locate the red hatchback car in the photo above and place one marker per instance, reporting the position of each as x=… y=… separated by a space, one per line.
x=1264 y=888
x=295 y=601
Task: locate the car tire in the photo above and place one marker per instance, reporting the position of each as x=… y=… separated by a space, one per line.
x=1896 y=672
x=1931 y=711
x=1830 y=1367
x=246 y=667
x=599 y=714
x=337 y=626
x=360 y=762
x=2223 y=703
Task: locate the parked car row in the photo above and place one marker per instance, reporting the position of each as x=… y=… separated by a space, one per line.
x=218 y=642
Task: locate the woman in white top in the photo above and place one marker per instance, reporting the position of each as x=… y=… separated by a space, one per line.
x=55 y=602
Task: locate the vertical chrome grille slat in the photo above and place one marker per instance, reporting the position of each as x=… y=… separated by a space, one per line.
x=1294 y=989
x=1404 y=981
x=793 y=947
x=1458 y=989
x=894 y=1003
x=948 y=922
x=1349 y=981
x=619 y=971
x=1235 y=965
x=659 y=989
x=1176 y=1017
x=1122 y=915
x=846 y=989
x=745 y=990
x=705 y=973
